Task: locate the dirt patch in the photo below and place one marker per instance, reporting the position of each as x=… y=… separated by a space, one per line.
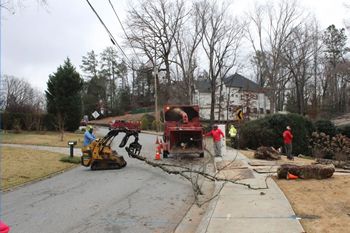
x=19 y=166
x=258 y=162
x=326 y=201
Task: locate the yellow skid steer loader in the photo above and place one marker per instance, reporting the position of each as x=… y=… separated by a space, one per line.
x=99 y=154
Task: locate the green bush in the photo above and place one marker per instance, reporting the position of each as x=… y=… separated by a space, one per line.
x=268 y=131
x=146 y=122
x=325 y=126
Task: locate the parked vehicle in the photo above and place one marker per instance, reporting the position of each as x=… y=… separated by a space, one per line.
x=132 y=125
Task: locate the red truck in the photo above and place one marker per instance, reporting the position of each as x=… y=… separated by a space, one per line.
x=183 y=132
x=132 y=125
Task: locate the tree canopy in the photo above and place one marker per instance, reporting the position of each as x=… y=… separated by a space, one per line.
x=63 y=96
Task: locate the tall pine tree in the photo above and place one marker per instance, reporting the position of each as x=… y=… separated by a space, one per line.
x=63 y=96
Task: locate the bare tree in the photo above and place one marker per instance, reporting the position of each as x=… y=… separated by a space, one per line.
x=221 y=40
x=270 y=28
x=20 y=96
x=298 y=55
x=187 y=39
x=153 y=25
x=12 y=5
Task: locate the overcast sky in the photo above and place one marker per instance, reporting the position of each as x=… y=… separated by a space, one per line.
x=36 y=40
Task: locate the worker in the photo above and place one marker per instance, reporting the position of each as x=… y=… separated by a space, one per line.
x=287 y=139
x=89 y=136
x=216 y=133
x=232 y=132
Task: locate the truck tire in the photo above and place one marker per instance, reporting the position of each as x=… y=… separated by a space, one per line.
x=165 y=154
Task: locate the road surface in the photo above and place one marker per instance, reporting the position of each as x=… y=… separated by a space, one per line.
x=137 y=198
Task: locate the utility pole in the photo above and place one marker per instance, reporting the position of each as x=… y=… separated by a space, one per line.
x=155 y=73
x=156 y=96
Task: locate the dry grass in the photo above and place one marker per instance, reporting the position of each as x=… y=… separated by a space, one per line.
x=323 y=205
x=42 y=139
x=19 y=166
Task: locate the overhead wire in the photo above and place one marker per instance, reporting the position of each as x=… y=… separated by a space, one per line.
x=121 y=24
x=113 y=40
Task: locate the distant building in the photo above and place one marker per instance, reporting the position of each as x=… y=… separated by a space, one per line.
x=238 y=92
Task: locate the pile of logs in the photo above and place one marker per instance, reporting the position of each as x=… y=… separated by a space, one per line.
x=314 y=171
x=336 y=163
x=267 y=153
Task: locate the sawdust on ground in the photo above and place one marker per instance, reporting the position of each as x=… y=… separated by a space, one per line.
x=322 y=205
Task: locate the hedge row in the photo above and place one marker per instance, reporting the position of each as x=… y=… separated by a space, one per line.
x=268 y=131
x=26 y=121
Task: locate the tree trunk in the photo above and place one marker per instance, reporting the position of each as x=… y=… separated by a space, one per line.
x=315 y=171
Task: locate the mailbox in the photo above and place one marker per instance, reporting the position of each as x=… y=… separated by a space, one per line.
x=71 y=147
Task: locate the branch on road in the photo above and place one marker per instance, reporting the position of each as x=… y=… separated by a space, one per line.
x=193 y=175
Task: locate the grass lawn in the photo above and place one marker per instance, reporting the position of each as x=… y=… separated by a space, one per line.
x=42 y=138
x=21 y=165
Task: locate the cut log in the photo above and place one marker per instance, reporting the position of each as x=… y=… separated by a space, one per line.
x=267 y=153
x=314 y=171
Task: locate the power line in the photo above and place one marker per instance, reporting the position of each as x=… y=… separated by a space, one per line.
x=111 y=4
x=113 y=40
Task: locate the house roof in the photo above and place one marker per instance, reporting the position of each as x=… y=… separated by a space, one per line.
x=235 y=80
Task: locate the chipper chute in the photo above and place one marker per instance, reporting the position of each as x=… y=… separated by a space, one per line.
x=99 y=154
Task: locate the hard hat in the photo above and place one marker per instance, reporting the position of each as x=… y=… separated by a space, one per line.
x=89 y=127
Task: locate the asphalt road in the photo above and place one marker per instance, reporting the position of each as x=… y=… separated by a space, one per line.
x=137 y=198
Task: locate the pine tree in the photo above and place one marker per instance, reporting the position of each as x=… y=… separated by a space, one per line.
x=63 y=96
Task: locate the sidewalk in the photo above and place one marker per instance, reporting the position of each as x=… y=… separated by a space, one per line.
x=240 y=209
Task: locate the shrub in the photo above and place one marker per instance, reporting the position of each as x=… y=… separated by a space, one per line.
x=268 y=131
x=68 y=159
x=146 y=121
x=325 y=126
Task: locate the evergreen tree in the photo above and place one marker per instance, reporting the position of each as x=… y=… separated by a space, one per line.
x=90 y=65
x=63 y=96
x=109 y=70
x=95 y=85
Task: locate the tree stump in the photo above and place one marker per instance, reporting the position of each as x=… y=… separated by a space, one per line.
x=314 y=171
x=267 y=153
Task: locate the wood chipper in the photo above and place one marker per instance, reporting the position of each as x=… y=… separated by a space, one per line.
x=183 y=132
x=99 y=154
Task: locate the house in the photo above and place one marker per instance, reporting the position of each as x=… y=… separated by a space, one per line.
x=237 y=92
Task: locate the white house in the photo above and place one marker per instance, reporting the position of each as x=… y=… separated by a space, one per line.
x=238 y=92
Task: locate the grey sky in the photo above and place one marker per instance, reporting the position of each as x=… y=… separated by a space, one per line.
x=36 y=40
